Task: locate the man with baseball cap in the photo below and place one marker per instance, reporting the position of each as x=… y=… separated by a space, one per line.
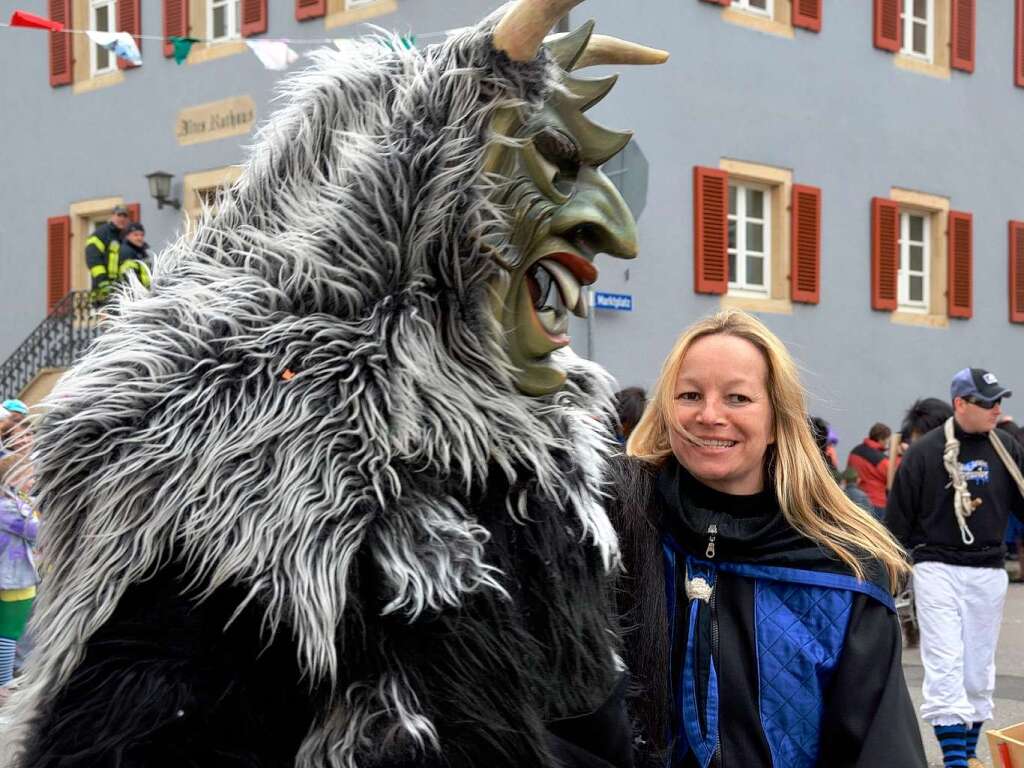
x=102 y=252
x=949 y=505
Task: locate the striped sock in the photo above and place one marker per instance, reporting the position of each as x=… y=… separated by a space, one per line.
x=7 y=647
x=953 y=740
x=972 y=739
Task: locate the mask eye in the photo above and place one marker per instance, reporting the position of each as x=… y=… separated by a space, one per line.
x=558 y=148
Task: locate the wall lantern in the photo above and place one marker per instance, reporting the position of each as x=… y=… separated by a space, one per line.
x=160 y=189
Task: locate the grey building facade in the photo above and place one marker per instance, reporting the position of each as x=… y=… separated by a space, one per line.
x=746 y=93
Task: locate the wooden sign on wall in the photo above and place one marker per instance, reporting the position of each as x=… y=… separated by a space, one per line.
x=216 y=120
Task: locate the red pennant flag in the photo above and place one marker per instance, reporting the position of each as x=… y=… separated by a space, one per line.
x=26 y=19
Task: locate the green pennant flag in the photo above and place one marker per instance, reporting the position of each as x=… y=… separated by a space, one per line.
x=408 y=42
x=182 y=46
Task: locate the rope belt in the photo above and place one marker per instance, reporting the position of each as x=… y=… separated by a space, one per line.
x=963 y=504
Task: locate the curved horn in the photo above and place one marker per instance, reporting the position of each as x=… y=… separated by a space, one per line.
x=603 y=49
x=522 y=29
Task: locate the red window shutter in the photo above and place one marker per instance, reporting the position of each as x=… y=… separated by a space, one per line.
x=807 y=14
x=1018 y=48
x=1017 y=271
x=134 y=211
x=962 y=35
x=885 y=253
x=61 y=51
x=805 y=270
x=129 y=19
x=888 y=29
x=710 y=230
x=175 y=23
x=58 y=260
x=254 y=17
x=960 y=258
x=310 y=9
x=719 y=2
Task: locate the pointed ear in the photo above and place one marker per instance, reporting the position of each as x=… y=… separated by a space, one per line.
x=566 y=49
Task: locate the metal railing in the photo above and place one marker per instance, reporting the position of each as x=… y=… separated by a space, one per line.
x=57 y=342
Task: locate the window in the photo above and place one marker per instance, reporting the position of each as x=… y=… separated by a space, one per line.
x=224 y=21
x=202 y=188
x=918 y=19
x=760 y=7
x=749 y=240
x=101 y=19
x=915 y=257
x=341 y=13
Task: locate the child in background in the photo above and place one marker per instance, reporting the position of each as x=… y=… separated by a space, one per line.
x=19 y=527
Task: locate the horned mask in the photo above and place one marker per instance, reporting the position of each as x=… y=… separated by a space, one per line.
x=565 y=209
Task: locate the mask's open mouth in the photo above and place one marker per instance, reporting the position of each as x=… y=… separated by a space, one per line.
x=555 y=283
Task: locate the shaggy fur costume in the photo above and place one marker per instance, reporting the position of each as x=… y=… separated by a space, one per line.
x=389 y=558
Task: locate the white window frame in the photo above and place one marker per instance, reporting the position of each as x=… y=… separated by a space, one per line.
x=738 y=285
x=746 y=7
x=351 y=5
x=94 y=6
x=907 y=20
x=234 y=19
x=903 y=275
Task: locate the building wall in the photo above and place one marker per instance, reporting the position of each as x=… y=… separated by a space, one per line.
x=843 y=117
x=828 y=106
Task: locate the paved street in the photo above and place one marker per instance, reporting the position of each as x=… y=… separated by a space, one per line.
x=1009 y=677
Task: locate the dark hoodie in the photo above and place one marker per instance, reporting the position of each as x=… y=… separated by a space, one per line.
x=867 y=718
x=920 y=511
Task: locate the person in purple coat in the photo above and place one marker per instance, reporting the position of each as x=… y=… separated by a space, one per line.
x=19 y=527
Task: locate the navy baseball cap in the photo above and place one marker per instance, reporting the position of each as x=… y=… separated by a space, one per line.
x=979 y=384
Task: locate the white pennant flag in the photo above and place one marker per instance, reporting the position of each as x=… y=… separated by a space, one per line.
x=346 y=45
x=121 y=44
x=273 y=54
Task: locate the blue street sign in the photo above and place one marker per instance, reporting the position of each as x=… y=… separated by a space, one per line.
x=620 y=302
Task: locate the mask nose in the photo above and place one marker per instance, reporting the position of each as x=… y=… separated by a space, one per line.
x=597 y=219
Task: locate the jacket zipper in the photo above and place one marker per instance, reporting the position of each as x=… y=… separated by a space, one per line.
x=712 y=534
x=716 y=759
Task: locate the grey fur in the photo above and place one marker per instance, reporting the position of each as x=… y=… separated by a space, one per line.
x=354 y=251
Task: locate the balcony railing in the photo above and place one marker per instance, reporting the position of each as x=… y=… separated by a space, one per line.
x=57 y=342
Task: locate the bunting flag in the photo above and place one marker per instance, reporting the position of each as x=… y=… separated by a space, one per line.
x=31 y=21
x=120 y=44
x=273 y=54
x=182 y=47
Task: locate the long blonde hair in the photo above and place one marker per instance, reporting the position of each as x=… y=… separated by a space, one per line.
x=810 y=499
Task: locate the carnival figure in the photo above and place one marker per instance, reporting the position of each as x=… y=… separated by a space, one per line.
x=329 y=494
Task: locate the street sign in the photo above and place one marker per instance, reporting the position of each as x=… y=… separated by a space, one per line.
x=619 y=302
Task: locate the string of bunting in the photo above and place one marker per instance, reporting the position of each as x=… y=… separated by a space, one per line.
x=273 y=52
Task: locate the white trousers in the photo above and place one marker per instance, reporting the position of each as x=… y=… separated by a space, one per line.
x=959 y=610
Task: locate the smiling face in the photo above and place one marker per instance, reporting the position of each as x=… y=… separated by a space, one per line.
x=721 y=402
x=565 y=211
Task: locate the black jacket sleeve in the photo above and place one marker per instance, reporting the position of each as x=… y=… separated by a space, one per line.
x=868 y=718
x=904 y=499
x=1017 y=503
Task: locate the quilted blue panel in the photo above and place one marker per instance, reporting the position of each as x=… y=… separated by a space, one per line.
x=800 y=632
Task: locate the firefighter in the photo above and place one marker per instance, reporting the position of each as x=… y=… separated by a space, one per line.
x=103 y=253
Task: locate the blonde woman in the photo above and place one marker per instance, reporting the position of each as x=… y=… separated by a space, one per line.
x=759 y=595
